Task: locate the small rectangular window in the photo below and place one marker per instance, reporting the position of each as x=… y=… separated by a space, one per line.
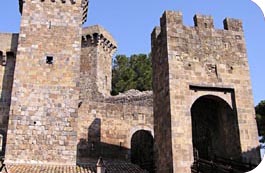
x=49 y=59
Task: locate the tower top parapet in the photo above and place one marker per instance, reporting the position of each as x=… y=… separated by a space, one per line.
x=200 y=21
x=84 y=5
x=98 y=35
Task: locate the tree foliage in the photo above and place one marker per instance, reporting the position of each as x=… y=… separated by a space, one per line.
x=134 y=72
x=260 y=117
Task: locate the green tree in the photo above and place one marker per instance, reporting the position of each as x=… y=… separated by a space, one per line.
x=134 y=72
x=260 y=117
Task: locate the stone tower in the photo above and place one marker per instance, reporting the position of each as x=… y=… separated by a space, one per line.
x=203 y=103
x=43 y=116
x=8 y=49
x=98 y=47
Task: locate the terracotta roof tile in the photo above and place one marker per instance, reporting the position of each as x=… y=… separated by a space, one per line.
x=111 y=167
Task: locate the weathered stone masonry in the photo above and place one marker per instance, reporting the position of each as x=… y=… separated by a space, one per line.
x=98 y=47
x=62 y=112
x=8 y=50
x=200 y=62
x=43 y=116
x=44 y=126
x=106 y=123
x=105 y=127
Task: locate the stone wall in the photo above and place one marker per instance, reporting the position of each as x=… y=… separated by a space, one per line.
x=43 y=117
x=191 y=62
x=105 y=128
x=8 y=49
x=161 y=107
x=61 y=109
x=9 y=42
x=98 y=47
x=106 y=123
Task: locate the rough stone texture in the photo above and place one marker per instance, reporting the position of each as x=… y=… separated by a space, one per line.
x=105 y=127
x=106 y=123
x=62 y=113
x=84 y=5
x=9 y=42
x=98 y=47
x=43 y=117
x=8 y=49
x=191 y=62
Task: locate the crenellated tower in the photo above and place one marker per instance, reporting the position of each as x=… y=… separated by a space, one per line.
x=98 y=47
x=43 y=115
x=203 y=103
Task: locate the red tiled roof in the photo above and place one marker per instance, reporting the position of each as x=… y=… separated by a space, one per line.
x=111 y=167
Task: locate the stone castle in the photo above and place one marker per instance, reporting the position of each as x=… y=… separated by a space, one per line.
x=56 y=107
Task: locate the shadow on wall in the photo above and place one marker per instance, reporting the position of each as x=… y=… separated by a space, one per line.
x=141 y=152
x=92 y=148
x=252 y=156
x=7 y=62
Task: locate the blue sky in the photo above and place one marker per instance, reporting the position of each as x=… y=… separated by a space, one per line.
x=131 y=22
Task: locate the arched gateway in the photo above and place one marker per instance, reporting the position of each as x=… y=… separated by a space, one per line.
x=215 y=130
x=142 y=154
x=202 y=93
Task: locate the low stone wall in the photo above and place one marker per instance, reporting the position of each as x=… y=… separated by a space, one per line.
x=105 y=127
x=133 y=97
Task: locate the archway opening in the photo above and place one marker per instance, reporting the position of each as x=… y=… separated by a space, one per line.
x=142 y=154
x=215 y=131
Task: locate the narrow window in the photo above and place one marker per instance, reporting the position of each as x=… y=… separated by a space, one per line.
x=49 y=59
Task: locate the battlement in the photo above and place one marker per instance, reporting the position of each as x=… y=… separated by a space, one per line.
x=84 y=5
x=233 y=24
x=98 y=47
x=190 y=64
x=200 y=21
x=203 y=21
x=171 y=17
x=9 y=42
x=97 y=35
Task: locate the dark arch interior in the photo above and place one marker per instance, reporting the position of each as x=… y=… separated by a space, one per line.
x=142 y=154
x=215 y=129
